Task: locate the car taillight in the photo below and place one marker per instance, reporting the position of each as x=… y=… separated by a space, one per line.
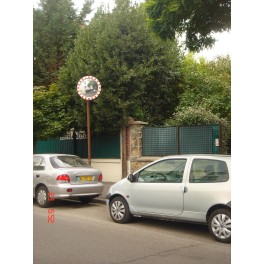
x=63 y=178
x=100 y=177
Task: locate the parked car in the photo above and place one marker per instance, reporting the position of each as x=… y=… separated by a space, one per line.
x=57 y=176
x=193 y=188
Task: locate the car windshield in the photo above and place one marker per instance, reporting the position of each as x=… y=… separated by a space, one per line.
x=67 y=162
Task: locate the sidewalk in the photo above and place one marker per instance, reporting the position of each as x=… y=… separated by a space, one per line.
x=101 y=198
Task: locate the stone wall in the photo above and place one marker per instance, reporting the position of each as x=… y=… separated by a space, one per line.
x=134 y=156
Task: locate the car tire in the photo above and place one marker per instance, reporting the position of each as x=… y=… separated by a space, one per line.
x=85 y=199
x=42 y=197
x=219 y=225
x=119 y=210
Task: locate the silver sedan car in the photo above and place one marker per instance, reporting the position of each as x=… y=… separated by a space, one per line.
x=60 y=176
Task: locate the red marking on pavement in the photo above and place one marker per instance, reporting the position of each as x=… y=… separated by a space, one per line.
x=51 y=216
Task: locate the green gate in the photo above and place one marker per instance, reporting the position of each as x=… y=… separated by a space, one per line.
x=162 y=141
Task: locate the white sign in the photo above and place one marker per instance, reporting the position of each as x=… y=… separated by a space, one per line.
x=217 y=142
x=89 y=88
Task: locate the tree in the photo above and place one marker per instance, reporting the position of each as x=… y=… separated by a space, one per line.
x=206 y=96
x=55 y=27
x=207 y=84
x=198 y=19
x=139 y=72
x=50 y=114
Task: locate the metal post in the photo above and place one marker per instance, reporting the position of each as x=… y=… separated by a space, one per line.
x=88 y=132
x=220 y=139
x=123 y=152
x=74 y=142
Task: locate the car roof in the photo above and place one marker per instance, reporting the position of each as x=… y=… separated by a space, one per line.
x=52 y=154
x=209 y=156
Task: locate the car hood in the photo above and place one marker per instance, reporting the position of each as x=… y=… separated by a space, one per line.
x=118 y=186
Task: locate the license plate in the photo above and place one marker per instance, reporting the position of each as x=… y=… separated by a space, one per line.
x=85 y=178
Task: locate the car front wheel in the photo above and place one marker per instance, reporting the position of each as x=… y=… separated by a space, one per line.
x=119 y=210
x=42 y=197
x=220 y=225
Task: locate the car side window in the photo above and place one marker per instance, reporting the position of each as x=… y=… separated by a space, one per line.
x=208 y=171
x=38 y=163
x=170 y=170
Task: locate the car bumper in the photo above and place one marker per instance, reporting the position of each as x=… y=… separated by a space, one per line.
x=107 y=197
x=70 y=190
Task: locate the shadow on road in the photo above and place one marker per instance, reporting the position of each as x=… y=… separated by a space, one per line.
x=174 y=226
x=66 y=203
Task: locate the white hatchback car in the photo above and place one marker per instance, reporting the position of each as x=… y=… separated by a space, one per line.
x=58 y=176
x=194 y=188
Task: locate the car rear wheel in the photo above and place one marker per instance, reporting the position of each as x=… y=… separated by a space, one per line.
x=119 y=210
x=220 y=225
x=42 y=197
x=85 y=199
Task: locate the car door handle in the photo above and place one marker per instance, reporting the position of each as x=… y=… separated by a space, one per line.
x=37 y=175
x=185 y=190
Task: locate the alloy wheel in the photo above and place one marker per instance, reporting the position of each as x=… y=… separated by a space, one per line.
x=42 y=196
x=221 y=226
x=118 y=210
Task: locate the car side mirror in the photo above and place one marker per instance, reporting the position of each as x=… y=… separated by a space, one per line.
x=131 y=177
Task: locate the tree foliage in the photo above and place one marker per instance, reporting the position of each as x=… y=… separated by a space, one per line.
x=50 y=115
x=142 y=76
x=139 y=72
x=206 y=97
x=198 y=19
x=207 y=84
x=55 y=27
x=193 y=115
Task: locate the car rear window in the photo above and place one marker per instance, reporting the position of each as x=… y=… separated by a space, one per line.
x=208 y=171
x=67 y=162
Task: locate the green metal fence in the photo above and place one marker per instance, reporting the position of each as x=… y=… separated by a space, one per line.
x=162 y=141
x=159 y=141
x=101 y=147
x=156 y=141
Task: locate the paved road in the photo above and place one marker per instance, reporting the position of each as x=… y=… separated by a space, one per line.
x=85 y=234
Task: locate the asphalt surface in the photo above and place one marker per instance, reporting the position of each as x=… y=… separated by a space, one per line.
x=86 y=234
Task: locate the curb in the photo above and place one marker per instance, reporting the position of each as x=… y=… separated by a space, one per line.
x=99 y=200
